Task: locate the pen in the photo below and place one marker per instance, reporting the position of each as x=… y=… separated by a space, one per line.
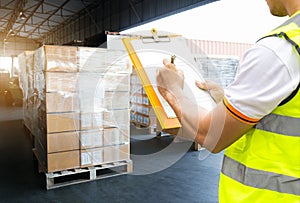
x=173 y=58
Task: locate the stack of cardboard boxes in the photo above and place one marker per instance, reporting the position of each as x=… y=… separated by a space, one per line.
x=142 y=114
x=81 y=108
x=103 y=87
x=57 y=133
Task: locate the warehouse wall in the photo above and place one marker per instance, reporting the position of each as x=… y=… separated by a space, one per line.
x=13 y=46
x=89 y=26
x=209 y=48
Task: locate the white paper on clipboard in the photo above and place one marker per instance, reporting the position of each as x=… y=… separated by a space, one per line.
x=151 y=56
x=147 y=54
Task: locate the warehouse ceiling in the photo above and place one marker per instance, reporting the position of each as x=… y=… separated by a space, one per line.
x=48 y=21
x=33 y=18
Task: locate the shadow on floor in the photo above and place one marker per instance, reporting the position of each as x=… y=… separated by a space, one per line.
x=164 y=171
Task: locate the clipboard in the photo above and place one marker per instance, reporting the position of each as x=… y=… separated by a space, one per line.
x=143 y=47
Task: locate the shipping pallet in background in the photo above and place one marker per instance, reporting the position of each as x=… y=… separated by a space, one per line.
x=81 y=175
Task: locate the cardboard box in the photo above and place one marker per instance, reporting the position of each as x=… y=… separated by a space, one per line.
x=56 y=58
x=107 y=81
x=142 y=109
x=65 y=82
x=62 y=122
x=146 y=121
x=103 y=60
x=62 y=102
x=116 y=100
x=116 y=82
x=90 y=121
x=91 y=139
x=145 y=100
x=98 y=91
x=139 y=98
x=65 y=141
x=91 y=101
x=116 y=153
x=91 y=157
x=63 y=160
x=116 y=118
x=91 y=81
x=115 y=136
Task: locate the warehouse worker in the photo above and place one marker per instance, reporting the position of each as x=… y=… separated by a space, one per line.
x=258 y=119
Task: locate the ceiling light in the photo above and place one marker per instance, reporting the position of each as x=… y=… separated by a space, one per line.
x=12 y=33
x=22 y=15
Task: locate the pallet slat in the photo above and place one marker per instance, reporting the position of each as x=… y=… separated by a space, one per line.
x=81 y=175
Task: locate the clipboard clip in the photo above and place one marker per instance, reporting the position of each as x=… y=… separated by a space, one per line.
x=155 y=38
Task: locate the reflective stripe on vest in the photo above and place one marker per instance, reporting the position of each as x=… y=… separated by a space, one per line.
x=280 y=124
x=260 y=179
x=264 y=164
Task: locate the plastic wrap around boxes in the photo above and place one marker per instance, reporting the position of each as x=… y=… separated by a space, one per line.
x=81 y=106
x=26 y=84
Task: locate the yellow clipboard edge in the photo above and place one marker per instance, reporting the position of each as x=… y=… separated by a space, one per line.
x=165 y=122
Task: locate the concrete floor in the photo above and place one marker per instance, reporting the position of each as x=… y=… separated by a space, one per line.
x=162 y=171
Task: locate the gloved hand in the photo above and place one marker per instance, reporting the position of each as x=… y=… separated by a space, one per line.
x=215 y=90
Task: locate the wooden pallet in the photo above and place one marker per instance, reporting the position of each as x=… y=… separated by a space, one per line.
x=81 y=175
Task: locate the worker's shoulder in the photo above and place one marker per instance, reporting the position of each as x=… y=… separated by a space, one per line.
x=276 y=44
x=284 y=51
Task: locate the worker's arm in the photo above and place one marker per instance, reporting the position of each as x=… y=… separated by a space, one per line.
x=215 y=130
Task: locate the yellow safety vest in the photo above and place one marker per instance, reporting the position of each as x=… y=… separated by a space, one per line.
x=264 y=164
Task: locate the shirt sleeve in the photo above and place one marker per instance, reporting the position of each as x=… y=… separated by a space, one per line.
x=263 y=81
